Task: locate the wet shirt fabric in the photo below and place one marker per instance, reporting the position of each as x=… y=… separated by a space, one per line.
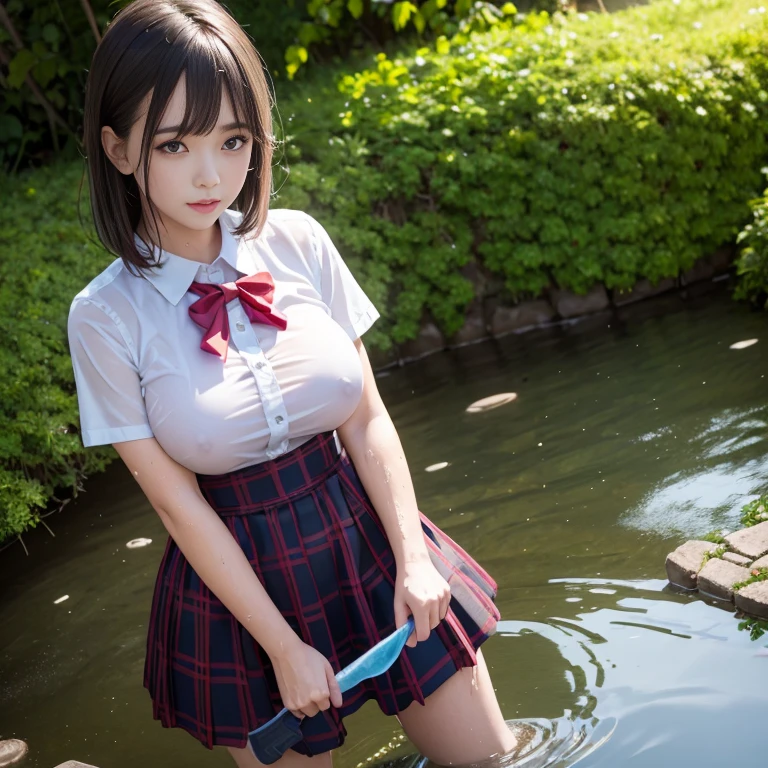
x=140 y=372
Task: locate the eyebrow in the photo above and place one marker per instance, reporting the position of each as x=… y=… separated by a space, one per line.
x=227 y=127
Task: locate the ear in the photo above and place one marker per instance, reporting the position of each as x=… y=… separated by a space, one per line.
x=116 y=150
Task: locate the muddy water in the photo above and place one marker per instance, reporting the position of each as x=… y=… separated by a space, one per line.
x=629 y=434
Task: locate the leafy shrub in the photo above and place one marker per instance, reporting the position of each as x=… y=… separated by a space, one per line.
x=559 y=151
x=545 y=152
x=46 y=259
x=752 y=264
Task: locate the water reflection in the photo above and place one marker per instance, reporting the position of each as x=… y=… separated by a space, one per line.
x=636 y=454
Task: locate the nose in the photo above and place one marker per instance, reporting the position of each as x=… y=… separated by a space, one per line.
x=207 y=174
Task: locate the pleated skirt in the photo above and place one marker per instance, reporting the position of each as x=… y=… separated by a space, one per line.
x=309 y=531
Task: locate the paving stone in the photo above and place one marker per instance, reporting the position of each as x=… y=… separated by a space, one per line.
x=733 y=557
x=753 y=599
x=12 y=751
x=761 y=562
x=684 y=563
x=750 y=542
x=569 y=304
x=717 y=578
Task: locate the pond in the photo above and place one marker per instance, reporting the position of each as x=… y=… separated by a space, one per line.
x=630 y=434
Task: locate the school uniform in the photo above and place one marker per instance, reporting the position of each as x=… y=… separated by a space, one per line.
x=242 y=370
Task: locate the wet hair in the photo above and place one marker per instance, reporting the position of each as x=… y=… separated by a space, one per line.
x=149 y=46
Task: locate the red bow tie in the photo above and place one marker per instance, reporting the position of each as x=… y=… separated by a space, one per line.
x=210 y=310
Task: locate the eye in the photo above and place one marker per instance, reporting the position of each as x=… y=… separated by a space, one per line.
x=235 y=142
x=172 y=147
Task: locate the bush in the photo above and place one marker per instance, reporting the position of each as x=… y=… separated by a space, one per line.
x=46 y=259
x=752 y=264
x=559 y=151
x=545 y=152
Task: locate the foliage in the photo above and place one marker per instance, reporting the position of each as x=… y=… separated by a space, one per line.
x=46 y=260
x=339 y=25
x=756 y=627
x=46 y=48
x=752 y=264
x=716 y=537
x=755 y=512
x=715 y=554
x=548 y=151
x=758 y=574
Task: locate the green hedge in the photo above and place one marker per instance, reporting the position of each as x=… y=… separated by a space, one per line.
x=45 y=259
x=558 y=151
x=552 y=152
x=752 y=264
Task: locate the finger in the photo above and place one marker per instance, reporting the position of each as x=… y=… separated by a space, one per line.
x=297 y=713
x=310 y=710
x=422 y=624
x=445 y=606
x=401 y=616
x=434 y=615
x=333 y=687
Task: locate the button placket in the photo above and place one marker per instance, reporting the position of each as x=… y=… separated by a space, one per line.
x=247 y=343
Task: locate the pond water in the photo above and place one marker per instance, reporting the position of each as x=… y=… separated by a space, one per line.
x=630 y=433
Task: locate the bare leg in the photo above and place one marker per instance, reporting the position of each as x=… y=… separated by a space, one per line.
x=246 y=759
x=461 y=722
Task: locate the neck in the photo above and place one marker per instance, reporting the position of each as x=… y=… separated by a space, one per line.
x=201 y=245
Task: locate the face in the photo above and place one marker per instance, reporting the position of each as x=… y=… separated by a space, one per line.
x=192 y=179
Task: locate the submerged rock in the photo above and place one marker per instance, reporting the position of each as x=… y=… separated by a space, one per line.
x=12 y=751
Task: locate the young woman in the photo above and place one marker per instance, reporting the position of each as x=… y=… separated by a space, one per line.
x=221 y=355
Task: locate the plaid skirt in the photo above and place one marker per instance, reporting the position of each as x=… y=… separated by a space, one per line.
x=308 y=529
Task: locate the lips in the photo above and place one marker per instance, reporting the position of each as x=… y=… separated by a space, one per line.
x=204 y=206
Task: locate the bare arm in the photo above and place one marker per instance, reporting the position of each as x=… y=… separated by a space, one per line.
x=205 y=541
x=373 y=444
x=304 y=676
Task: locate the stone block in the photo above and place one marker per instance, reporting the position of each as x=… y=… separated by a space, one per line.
x=736 y=559
x=684 y=564
x=717 y=578
x=753 y=599
x=525 y=315
x=750 y=542
x=761 y=562
x=474 y=329
x=643 y=289
x=429 y=340
x=700 y=271
x=570 y=304
x=12 y=751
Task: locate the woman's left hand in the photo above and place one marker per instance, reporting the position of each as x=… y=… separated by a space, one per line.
x=422 y=592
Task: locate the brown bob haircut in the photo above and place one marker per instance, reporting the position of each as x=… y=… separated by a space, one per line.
x=149 y=46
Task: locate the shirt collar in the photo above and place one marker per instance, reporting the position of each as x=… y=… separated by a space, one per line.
x=175 y=273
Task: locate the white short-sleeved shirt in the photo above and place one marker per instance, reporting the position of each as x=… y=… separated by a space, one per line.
x=140 y=372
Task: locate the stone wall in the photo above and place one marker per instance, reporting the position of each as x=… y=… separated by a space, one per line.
x=490 y=315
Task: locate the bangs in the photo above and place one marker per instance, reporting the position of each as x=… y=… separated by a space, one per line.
x=210 y=70
x=149 y=47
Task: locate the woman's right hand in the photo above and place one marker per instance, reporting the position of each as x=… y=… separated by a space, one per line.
x=306 y=680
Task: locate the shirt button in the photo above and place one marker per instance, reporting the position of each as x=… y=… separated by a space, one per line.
x=259 y=365
x=279 y=419
x=240 y=326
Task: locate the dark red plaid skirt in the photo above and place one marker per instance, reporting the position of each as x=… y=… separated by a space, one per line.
x=308 y=529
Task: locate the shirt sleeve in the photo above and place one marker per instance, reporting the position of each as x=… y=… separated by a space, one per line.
x=109 y=392
x=341 y=293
